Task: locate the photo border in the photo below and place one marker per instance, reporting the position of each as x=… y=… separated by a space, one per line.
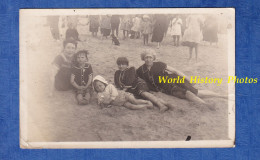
x=25 y=143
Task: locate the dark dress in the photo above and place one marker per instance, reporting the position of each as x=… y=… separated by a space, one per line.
x=152 y=78
x=128 y=78
x=62 y=78
x=93 y=23
x=160 y=28
x=82 y=76
x=115 y=22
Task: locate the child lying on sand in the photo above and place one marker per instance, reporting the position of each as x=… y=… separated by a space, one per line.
x=109 y=95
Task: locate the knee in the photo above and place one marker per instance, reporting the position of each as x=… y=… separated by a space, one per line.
x=81 y=100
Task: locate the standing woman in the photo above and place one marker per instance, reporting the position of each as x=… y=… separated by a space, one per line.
x=159 y=29
x=192 y=35
x=93 y=24
x=105 y=25
x=115 y=21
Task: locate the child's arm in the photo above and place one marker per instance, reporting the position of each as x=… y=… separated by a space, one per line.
x=113 y=94
x=90 y=78
x=74 y=84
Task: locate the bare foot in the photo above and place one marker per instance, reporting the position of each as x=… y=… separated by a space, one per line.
x=149 y=105
x=163 y=108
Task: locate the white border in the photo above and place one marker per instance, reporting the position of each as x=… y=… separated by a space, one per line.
x=25 y=13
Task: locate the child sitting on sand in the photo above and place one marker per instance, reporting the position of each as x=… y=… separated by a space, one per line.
x=109 y=95
x=81 y=77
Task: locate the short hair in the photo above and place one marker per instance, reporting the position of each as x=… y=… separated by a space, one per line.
x=70 y=40
x=74 y=59
x=122 y=60
x=85 y=52
x=146 y=52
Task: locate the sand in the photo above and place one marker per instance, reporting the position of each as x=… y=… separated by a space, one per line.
x=60 y=119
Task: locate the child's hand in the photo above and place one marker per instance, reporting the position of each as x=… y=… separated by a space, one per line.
x=84 y=87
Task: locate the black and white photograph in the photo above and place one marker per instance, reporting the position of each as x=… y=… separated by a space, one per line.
x=127 y=78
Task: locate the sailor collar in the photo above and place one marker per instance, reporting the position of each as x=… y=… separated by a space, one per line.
x=85 y=67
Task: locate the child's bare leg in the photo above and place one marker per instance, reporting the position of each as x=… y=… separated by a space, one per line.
x=134 y=106
x=208 y=94
x=80 y=99
x=87 y=97
x=190 y=51
x=192 y=97
x=133 y=100
x=158 y=102
x=196 y=52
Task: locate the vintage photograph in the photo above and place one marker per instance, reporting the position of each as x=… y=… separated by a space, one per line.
x=127 y=78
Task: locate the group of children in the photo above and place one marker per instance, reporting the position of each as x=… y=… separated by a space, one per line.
x=83 y=82
x=72 y=70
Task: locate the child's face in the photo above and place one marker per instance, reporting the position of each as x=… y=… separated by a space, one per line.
x=100 y=87
x=69 y=49
x=122 y=67
x=82 y=59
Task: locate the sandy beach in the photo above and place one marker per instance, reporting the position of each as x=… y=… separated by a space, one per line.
x=58 y=118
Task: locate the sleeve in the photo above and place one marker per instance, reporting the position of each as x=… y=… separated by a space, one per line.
x=113 y=92
x=130 y=76
x=58 y=61
x=73 y=70
x=100 y=98
x=139 y=72
x=116 y=79
x=160 y=67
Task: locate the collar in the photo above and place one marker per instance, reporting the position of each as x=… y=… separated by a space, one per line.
x=85 y=66
x=145 y=69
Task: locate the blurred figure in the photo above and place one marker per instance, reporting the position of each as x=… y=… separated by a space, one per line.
x=105 y=26
x=192 y=35
x=136 y=26
x=126 y=25
x=210 y=29
x=63 y=26
x=146 y=28
x=53 y=21
x=93 y=24
x=115 y=21
x=175 y=29
x=72 y=33
x=159 y=28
